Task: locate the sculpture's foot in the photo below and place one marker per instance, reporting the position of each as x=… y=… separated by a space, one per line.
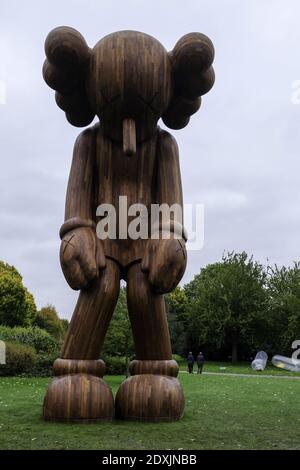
x=78 y=393
x=153 y=393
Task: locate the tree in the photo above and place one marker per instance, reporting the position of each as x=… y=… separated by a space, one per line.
x=31 y=311
x=17 y=306
x=48 y=319
x=65 y=325
x=119 y=340
x=227 y=304
x=176 y=306
x=284 y=307
x=7 y=268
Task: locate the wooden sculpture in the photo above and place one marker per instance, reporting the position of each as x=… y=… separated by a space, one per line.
x=129 y=81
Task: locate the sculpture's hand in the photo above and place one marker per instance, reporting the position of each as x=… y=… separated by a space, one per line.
x=164 y=263
x=81 y=257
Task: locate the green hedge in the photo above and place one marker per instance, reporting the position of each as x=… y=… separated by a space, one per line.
x=32 y=351
x=115 y=365
x=178 y=359
x=34 y=337
x=23 y=360
x=43 y=365
x=28 y=362
x=20 y=359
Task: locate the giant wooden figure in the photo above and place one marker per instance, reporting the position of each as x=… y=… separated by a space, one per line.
x=129 y=81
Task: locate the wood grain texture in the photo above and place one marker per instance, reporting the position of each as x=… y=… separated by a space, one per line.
x=71 y=366
x=93 y=312
x=130 y=76
x=150 y=397
x=154 y=367
x=129 y=137
x=148 y=318
x=129 y=81
x=153 y=393
x=78 y=398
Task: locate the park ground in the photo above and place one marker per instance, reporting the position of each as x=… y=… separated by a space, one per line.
x=240 y=368
x=221 y=412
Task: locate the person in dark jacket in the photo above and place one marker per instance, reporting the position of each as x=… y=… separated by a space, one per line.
x=200 y=362
x=190 y=362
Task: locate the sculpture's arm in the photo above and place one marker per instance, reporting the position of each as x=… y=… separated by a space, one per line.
x=81 y=253
x=169 y=177
x=169 y=188
x=80 y=184
x=165 y=258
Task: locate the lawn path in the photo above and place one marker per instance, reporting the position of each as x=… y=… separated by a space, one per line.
x=232 y=374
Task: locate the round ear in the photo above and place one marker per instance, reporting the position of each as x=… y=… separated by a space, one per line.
x=65 y=71
x=191 y=58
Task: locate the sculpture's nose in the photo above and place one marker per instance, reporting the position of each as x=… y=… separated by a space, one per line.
x=129 y=137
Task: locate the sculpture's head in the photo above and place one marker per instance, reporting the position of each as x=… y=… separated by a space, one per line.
x=128 y=80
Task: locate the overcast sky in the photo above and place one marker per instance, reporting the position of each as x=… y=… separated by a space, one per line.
x=239 y=155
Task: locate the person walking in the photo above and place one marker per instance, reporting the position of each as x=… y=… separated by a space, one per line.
x=200 y=362
x=190 y=362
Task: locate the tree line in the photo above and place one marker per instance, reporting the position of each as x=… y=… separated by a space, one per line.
x=235 y=307
x=18 y=308
x=230 y=310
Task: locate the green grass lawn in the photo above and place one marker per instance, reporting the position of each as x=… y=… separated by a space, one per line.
x=221 y=413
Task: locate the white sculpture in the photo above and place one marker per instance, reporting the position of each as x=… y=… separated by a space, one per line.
x=260 y=361
x=287 y=363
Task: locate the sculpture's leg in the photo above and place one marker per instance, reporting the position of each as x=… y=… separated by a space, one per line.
x=152 y=393
x=78 y=392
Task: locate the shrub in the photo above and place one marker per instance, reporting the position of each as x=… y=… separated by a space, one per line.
x=178 y=359
x=20 y=359
x=35 y=337
x=43 y=365
x=115 y=365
